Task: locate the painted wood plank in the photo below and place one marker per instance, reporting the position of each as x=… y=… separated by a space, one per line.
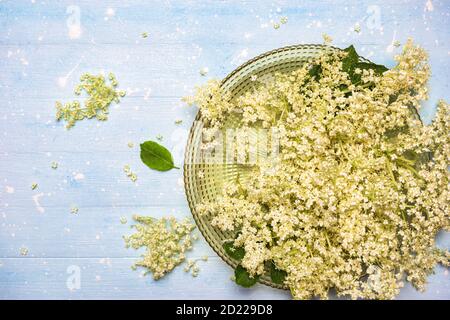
x=92 y=232
x=103 y=278
x=186 y=20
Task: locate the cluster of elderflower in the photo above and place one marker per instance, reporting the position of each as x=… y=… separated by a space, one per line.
x=214 y=100
x=100 y=95
x=361 y=187
x=166 y=241
x=191 y=266
x=130 y=174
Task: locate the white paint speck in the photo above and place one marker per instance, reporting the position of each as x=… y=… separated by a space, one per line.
x=106 y=261
x=78 y=176
x=110 y=12
x=204 y=71
x=37 y=203
x=147 y=93
x=62 y=81
x=75 y=32
x=240 y=57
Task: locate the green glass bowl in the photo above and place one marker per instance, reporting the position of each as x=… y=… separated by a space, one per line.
x=204 y=181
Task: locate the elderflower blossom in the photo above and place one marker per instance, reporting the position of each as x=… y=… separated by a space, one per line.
x=123 y=220
x=356 y=200
x=327 y=39
x=130 y=174
x=100 y=95
x=191 y=265
x=23 y=251
x=166 y=241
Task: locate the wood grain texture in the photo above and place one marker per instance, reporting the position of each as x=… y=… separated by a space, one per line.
x=41 y=59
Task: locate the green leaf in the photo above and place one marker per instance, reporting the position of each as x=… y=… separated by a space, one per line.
x=235 y=253
x=156 y=157
x=278 y=276
x=315 y=71
x=350 y=61
x=378 y=69
x=243 y=278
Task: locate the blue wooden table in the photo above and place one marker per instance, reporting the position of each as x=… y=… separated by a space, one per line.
x=48 y=252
